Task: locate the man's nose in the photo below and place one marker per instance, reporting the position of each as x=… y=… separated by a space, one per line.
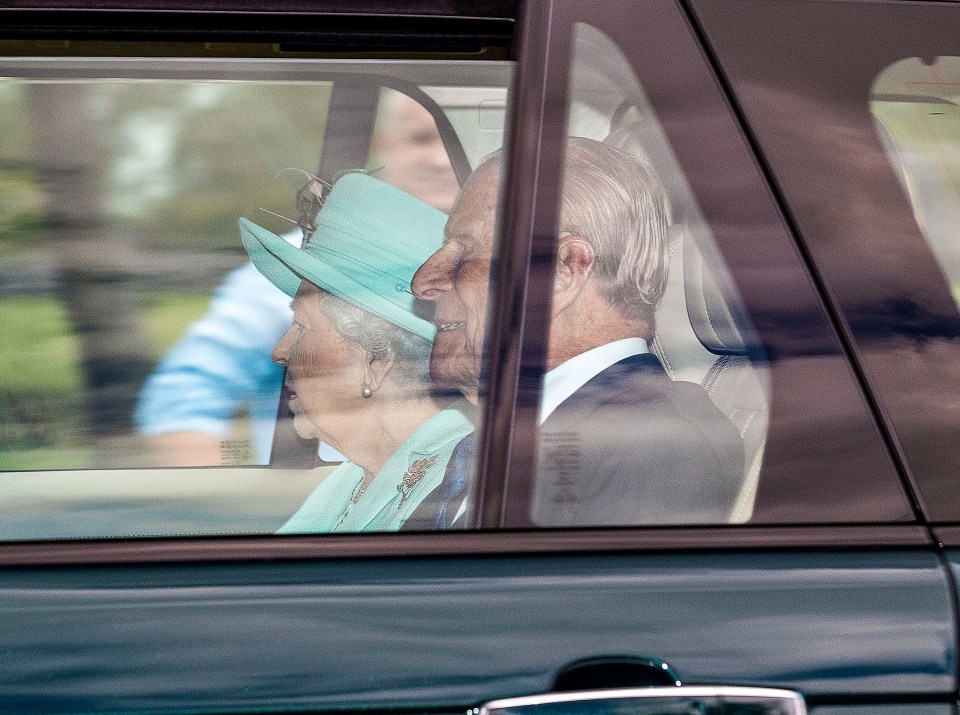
x=432 y=277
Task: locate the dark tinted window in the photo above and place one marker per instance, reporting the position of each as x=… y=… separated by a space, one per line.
x=855 y=106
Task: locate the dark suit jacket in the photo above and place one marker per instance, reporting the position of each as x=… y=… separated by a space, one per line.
x=633 y=446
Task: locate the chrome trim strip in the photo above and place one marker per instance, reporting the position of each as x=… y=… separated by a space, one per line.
x=788 y=697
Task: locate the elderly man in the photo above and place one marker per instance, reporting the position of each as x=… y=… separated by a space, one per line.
x=620 y=443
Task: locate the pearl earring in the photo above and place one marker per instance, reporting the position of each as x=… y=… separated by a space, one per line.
x=365 y=391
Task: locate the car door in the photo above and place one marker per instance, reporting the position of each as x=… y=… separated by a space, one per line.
x=826 y=581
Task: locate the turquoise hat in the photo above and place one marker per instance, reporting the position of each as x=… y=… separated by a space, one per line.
x=371 y=238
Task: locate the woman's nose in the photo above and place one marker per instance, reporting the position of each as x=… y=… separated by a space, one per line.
x=281 y=350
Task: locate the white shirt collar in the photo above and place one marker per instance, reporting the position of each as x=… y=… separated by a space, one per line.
x=568 y=377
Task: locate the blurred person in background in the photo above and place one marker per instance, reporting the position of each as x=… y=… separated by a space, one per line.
x=222 y=367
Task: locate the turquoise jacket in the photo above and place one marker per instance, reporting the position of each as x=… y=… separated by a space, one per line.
x=411 y=473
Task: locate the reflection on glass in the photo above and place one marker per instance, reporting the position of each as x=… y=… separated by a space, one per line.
x=406 y=150
x=916 y=105
x=121 y=196
x=222 y=366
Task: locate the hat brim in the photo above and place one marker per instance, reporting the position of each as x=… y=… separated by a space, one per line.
x=286 y=266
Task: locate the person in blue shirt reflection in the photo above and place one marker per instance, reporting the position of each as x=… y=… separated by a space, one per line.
x=222 y=363
x=357 y=355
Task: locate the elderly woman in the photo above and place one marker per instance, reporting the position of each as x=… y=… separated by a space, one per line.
x=357 y=354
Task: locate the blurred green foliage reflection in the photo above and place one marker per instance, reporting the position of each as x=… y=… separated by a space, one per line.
x=42 y=422
x=119 y=202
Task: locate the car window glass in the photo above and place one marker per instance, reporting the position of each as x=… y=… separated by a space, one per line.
x=656 y=401
x=143 y=353
x=862 y=137
x=915 y=104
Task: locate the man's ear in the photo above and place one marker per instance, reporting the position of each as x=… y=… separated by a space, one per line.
x=376 y=371
x=575 y=260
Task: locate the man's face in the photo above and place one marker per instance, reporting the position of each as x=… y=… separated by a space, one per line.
x=407 y=145
x=457 y=279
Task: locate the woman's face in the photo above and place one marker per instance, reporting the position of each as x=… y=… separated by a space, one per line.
x=325 y=371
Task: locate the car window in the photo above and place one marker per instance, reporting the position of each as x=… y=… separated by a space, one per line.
x=351 y=399
x=862 y=138
x=714 y=391
x=159 y=372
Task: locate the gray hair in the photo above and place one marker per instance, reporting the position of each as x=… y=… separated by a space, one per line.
x=381 y=338
x=615 y=200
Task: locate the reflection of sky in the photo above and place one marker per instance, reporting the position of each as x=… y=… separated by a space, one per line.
x=141 y=174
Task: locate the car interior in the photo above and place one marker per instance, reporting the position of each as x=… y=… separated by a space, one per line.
x=915 y=106
x=702 y=335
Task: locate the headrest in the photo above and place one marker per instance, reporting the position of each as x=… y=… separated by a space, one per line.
x=709 y=295
x=708 y=291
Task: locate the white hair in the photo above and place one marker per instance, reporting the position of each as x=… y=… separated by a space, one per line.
x=616 y=201
x=382 y=339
